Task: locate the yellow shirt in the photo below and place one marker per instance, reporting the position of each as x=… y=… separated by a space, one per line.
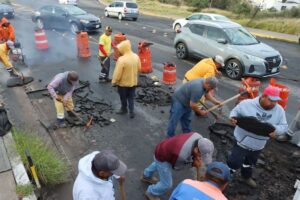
x=204 y=69
x=106 y=42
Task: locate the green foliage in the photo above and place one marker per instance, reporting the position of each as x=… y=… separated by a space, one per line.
x=51 y=169
x=24 y=190
x=173 y=2
x=242 y=8
x=198 y=5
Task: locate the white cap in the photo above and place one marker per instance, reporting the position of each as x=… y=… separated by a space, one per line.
x=10 y=43
x=219 y=59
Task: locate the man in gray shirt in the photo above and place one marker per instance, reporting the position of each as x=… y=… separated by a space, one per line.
x=185 y=100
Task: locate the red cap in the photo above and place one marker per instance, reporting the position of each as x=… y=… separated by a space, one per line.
x=273 y=93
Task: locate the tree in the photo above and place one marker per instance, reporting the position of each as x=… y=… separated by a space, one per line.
x=198 y=4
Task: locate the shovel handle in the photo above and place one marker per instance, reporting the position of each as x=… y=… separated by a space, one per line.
x=122 y=190
x=198 y=173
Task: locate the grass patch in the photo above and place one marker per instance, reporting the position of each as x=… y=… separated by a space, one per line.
x=51 y=168
x=280 y=25
x=24 y=190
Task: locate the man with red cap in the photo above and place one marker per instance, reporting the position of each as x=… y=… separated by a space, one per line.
x=248 y=145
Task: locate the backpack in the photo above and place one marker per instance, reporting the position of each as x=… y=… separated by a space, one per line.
x=5 y=124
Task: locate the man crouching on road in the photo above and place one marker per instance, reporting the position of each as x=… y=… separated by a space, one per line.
x=61 y=89
x=248 y=145
x=94 y=180
x=190 y=149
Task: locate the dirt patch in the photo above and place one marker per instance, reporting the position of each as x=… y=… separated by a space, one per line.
x=275 y=173
x=151 y=92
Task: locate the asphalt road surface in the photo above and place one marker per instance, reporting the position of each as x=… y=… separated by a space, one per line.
x=142 y=134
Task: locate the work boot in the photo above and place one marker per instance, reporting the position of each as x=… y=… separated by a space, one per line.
x=60 y=123
x=108 y=80
x=150 y=180
x=250 y=182
x=13 y=74
x=150 y=196
x=102 y=80
x=122 y=111
x=283 y=138
x=131 y=115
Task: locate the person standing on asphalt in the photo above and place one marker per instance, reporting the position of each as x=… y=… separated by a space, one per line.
x=4 y=58
x=95 y=177
x=182 y=150
x=215 y=181
x=7 y=31
x=185 y=100
x=206 y=68
x=125 y=76
x=61 y=89
x=105 y=45
x=248 y=145
x=294 y=127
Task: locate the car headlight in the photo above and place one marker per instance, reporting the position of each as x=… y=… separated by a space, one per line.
x=84 y=21
x=254 y=58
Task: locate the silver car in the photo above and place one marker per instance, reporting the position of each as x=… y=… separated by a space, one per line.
x=244 y=55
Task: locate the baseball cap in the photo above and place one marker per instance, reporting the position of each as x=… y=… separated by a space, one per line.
x=206 y=148
x=219 y=59
x=107 y=161
x=273 y=93
x=212 y=81
x=108 y=28
x=10 y=43
x=219 y=170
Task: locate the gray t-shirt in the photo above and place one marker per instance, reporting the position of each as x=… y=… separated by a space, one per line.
x=190 y=91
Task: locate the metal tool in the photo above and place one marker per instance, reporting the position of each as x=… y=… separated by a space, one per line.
x=122 y=190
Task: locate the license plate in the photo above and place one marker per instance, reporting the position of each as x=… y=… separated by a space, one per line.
x=274 y=70
x=97 y=26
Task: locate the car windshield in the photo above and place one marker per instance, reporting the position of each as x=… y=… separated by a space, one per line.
x=221 y=18
x=74 y=10
x=131 y=5
x=240 y=36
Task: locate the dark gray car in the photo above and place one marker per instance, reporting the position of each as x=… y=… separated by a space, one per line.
x=243 y=53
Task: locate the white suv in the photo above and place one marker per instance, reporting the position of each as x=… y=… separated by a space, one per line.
x=122 y=9
x=72 y=2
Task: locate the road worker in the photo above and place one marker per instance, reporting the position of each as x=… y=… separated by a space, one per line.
x=105 y=45
x=7 y=31
x=215 y=181
x=4 y=57
x=61 y=89
x=190 y=150
x=206 y=68
x=185 y=100
x=126 y=77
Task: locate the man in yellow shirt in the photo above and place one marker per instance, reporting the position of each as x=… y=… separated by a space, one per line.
x=126 y=76
x=206 y=68
x=105 y=45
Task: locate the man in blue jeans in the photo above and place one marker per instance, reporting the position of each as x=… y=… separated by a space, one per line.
x=182 y=150
x=185 y=99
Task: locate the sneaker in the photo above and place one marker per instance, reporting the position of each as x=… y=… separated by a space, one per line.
x=131 y=115
x=13 y=74
x=150 y=196
x=60 y=123
x=250 y=182
x=283 y=138
x=102 y=80
x=150 y=180
x=108 y=80
x=121 y=112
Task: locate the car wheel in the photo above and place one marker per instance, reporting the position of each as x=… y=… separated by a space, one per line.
x=106 y=13
x=40 y=23
x=181 y=51
x=234 y=69
x=177 y=27
x=120 y=16
x=134 y=19
x=74 y=28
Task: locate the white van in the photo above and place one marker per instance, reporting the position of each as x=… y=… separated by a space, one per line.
x=72 y=2
x=122 y=9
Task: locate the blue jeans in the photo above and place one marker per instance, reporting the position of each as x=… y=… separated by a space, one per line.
x=182 y=113
x=127 y=95
x=164 y=170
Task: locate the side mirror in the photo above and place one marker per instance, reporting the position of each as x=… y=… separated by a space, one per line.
x=110 y=5
x=222 y=41
x=187 y=18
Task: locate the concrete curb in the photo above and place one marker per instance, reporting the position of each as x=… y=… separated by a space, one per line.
x=273 y=37
x=17 y=165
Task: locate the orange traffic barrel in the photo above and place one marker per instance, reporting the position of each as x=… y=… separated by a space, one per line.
x=119 y=37
x=83 y=48
x=252 y=82
x=145 y=56
x=40 y=38
x=169 y=74
x=284 y=92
